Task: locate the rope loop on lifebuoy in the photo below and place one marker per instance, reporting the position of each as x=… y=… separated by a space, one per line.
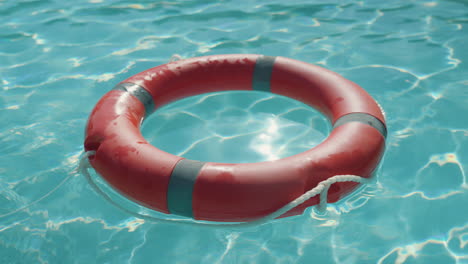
x=321 y=189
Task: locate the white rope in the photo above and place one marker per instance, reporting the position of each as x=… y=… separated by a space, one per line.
x=39 y=199
x=175 y=57
x=321 y=189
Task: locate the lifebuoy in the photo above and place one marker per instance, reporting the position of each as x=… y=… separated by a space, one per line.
x=232 y=192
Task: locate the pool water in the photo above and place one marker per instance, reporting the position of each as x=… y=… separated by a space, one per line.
x=57 y=58
x=237 y=127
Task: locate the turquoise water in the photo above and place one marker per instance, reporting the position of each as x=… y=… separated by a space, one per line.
x=57 y=58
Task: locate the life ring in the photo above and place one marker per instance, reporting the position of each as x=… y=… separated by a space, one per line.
x=233 y=192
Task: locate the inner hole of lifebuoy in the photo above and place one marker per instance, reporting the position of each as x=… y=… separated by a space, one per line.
x=236 y=127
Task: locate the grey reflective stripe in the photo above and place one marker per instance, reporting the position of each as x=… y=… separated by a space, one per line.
x=262 y=73
x=140 y=93
x=363 y=118
x=179 y=193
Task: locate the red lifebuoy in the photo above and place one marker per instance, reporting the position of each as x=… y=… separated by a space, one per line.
x=232 y=192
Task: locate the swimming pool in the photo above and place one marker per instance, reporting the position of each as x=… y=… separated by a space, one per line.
x=57 y=58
